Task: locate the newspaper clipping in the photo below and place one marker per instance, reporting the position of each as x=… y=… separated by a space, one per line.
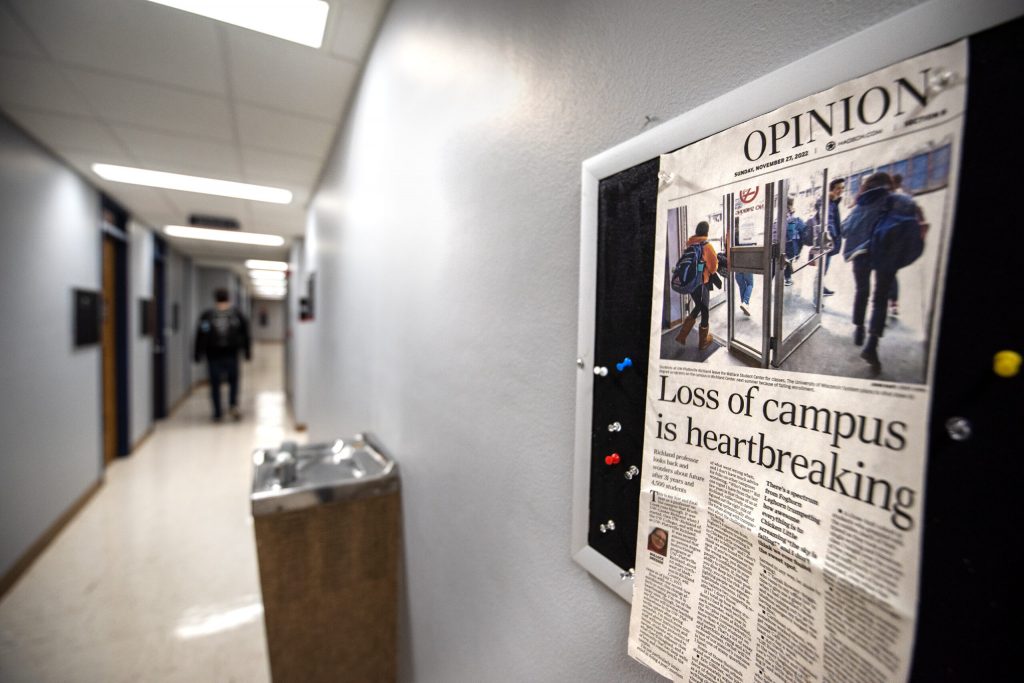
x=798 y=266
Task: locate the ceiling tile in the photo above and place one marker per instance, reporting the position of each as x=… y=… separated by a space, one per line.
x=147 y=204
x=279 y=219
x=275 y=131
x=354 y=27
x=38 y=84
x=155 y=107
x=181 y=154
x=129 y=37
x=271 y=167
x=13 y=37
x=83 y=161
x=60 y=132
x=225 y=250
x=281 y=75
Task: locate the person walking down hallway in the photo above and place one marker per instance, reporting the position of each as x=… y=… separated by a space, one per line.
x=221 y=333
x=876 y=203
x=700 y=296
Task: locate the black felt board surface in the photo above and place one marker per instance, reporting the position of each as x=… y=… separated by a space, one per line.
x=970 y=586
x=625 y=259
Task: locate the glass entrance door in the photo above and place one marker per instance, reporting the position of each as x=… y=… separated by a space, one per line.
x=776 y=252
x=800 y=210
x=749 y=256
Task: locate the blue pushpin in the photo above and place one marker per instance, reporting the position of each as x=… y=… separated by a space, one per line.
x=626 y=363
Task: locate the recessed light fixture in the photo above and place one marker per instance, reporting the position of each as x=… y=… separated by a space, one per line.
x=189 y=232
x=300 y=21
x=266 y=265
x=190 y=183
x=267 y=275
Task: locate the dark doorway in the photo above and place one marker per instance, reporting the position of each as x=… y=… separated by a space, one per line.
x=114 y=332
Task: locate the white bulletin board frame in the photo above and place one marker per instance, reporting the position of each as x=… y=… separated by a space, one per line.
x=917 y=30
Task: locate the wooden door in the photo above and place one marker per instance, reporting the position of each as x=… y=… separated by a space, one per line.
x=109 y=341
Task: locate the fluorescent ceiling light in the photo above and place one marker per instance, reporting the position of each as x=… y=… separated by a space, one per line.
x=300 y=21
x=267 y=275
x=190 y=183
x=266 y=265
x=224 y=235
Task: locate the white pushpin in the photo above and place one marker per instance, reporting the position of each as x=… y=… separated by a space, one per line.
x=615 y=427
x=601 y=371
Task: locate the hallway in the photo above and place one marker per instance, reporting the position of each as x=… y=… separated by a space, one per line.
x=156 y=578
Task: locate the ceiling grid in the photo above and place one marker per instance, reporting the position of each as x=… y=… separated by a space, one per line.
x=134 y=83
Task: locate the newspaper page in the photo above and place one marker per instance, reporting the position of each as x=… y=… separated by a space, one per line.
x=787 y=401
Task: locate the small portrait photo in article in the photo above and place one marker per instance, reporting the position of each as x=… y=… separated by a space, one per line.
x=657 y=541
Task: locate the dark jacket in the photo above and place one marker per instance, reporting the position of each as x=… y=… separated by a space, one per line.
x=222 y=333
x=834 y=223
x=860 y=224
x=872 y=205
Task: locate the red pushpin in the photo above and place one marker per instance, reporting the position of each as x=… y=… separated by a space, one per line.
x=612 y=459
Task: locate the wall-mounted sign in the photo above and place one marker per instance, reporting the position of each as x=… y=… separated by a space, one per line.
x=88 y=315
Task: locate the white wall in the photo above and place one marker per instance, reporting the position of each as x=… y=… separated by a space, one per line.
x=140 y=348
x=274 y=329
x=50 y=418
x=445 y=240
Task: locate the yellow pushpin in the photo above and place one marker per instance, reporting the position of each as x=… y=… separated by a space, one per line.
x=1006 y=363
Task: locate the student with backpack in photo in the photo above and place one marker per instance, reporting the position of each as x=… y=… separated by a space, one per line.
x=795 y=229
x=690 y=276
x=894 y=292
x=882 y=234
x=222 y=332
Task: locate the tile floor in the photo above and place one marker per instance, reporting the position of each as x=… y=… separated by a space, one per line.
x=156 y=578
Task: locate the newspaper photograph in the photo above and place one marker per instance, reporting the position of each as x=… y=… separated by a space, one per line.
x=799 y=260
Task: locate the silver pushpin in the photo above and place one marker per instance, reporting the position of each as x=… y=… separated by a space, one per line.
x=631 y=472
x=959 y=428
x=615 y=427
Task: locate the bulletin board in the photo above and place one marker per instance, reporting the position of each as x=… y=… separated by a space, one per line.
x=966 y=584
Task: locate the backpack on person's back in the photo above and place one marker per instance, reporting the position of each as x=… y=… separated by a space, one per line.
x=688 y=273
x=225 y=330
x=898 y=238
x=795 y=230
